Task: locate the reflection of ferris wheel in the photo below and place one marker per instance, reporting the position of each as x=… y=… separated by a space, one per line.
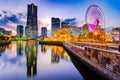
x=95 y=18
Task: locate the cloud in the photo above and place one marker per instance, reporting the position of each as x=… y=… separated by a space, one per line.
x=10 y=20
x=72 y=21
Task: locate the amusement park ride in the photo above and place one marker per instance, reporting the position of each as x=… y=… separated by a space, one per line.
x=95 y=21
x=95 y=18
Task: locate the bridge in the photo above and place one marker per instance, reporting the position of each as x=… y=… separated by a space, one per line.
x=101 y=61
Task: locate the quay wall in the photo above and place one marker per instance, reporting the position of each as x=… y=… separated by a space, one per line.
x=106 y=63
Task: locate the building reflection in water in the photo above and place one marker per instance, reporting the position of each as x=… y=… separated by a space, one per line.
x=19 y=47
x=54 y=57
x=43 y=48
x=31 y=53
x=9 y=46
x=58 y=53
x=3 y=48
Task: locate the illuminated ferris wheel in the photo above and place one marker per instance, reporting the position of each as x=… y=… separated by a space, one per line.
x=95 y=18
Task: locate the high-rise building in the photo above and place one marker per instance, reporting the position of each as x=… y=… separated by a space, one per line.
x=20 y=31
x=2 y=30
x=43 y=32
x=65 y=25
x=31 y=30
x=55 y=24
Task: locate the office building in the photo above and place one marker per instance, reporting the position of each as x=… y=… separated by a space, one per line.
x=55 y=24
x=20 y=31
x=31 y=30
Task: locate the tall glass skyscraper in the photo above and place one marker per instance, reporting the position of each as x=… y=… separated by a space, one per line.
x=55 y=24
x=20 y=31
x=31 y=30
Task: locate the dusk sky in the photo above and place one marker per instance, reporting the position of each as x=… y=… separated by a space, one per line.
x=13 y=12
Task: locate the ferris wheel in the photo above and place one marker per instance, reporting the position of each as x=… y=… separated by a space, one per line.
x=95 y=18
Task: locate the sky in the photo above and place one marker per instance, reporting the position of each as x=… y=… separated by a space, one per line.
x=14 y=12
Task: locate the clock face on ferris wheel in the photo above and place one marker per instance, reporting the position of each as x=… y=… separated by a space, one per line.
x=94 y=18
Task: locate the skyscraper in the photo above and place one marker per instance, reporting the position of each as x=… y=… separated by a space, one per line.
x=19 y=31
x=31 y=30
x=43 y=32
x=2 y=30
x=55 y=24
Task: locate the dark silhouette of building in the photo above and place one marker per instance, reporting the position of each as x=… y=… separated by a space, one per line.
x=20 y=31
x=65 y=25
x=31 y=30
x=55 y=24
x=43 y=32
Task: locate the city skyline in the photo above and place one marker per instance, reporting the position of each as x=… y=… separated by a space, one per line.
x=73 y=10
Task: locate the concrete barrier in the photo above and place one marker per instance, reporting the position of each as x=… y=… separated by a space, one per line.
x=100 y=60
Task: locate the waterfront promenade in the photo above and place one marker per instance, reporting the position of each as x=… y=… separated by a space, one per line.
x=101 y=58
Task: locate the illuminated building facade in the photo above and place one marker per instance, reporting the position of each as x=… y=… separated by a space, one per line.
x=19 y=31
x=55 y=24
x=31 y=30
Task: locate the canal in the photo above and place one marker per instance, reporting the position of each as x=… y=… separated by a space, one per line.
x=22 y=60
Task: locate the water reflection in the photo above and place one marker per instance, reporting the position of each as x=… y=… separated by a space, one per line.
x=58 y=53
x=43 y=48
x=19 y=47
x=31 y=52
x=26 y=60
x=54 y=58
x=3 y=48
